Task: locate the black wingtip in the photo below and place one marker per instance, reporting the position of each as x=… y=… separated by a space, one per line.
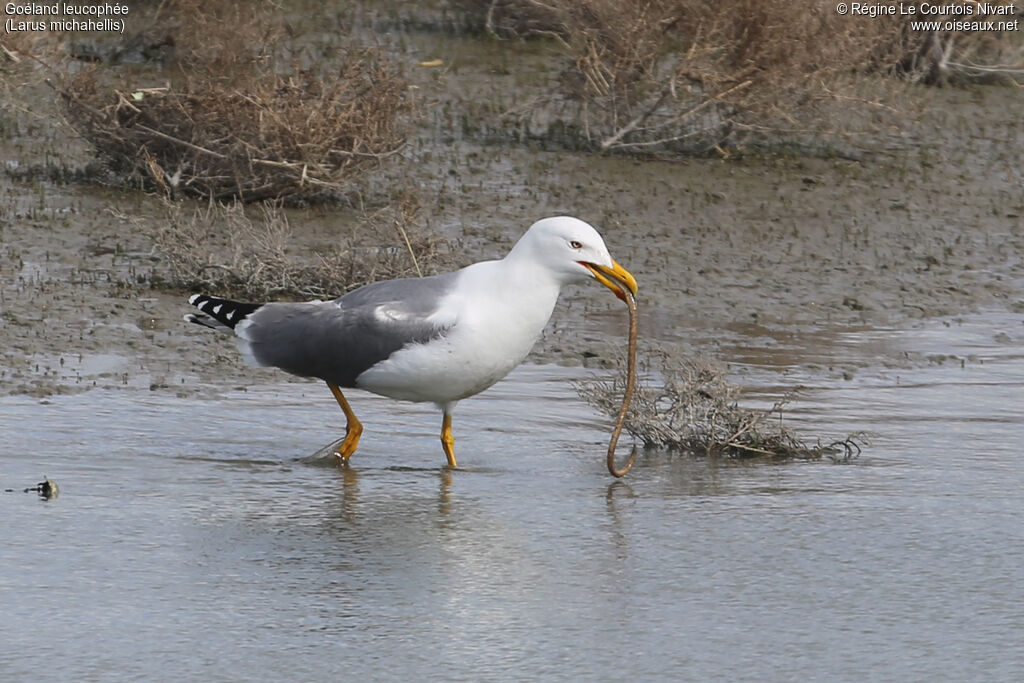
x=224 y=311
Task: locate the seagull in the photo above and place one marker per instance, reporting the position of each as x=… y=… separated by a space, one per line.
x=435 y=339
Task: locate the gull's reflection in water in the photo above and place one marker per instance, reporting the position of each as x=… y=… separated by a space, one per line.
x=350 y=473
x=444 y=492
x=349 y=492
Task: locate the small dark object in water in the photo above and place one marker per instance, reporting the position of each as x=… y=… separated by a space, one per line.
x=628 y=395
x=46 y=489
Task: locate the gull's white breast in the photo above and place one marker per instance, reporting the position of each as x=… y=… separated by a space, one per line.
x=496 y=313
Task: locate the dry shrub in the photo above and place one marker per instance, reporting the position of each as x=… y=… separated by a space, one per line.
x=938 y=57
x=695 y=409
x=233 y=121
x=227 y=250
x=685 y=75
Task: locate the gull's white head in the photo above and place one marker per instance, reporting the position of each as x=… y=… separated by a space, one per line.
x=573 y=251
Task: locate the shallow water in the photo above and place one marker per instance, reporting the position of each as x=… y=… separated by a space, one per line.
x=189 y=540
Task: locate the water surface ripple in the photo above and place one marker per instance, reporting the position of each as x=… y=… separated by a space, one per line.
x=189 y=541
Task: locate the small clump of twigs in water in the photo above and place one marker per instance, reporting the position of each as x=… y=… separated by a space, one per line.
x=251 y=254
x=695 y=409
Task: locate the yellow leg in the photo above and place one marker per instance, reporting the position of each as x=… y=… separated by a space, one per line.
x=447 y=440
x=353 y=427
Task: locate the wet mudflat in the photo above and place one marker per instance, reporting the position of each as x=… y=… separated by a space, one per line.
x=188 y=536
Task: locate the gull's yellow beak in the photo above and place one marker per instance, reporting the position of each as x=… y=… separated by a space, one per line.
x=616 y=278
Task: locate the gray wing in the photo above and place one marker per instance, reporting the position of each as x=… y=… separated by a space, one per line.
x=338 y=340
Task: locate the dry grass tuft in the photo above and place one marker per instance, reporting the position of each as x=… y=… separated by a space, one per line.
x=238 y=118
x=686 y=75
x=695 y=409
x=228 y=250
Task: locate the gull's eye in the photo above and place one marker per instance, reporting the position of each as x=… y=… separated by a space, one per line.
x=576 y=244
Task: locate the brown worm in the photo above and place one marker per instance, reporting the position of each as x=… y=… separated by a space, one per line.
x=628 y=395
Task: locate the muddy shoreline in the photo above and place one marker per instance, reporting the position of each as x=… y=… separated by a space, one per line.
x=926 y=222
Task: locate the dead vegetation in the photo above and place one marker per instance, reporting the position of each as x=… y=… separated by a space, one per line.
x=962 y=56
x=234 y=114
x=252 y=253
x=693 y=408
x=227 y=101
x=689 y=75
